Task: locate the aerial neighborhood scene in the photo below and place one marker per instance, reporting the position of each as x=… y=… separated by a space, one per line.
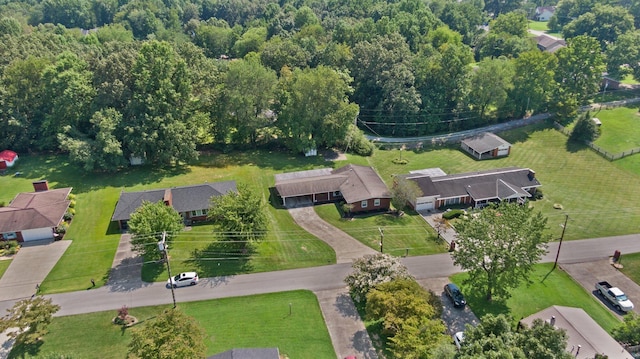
x=235 y=179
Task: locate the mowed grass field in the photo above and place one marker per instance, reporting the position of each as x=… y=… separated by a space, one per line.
x=546 y=289
x=241 y=322
x=620 y=130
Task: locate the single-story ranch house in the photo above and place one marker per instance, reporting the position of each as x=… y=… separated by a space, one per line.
x=485 y=146
x=476 y=189
x=33 y=216
x=585 y=337
x=359 y=186
x=192 y=202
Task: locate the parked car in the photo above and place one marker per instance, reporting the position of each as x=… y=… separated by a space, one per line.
x=453 y=292
x=183 y=279
x=615 y=296
x=458 y=338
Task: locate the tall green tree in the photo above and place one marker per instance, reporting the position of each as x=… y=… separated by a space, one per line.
x=580 y=67
x=533 y=83
x=499 y=246
x=147 y=225
x=623 y=56
x=28 y=319
x=585 y=129
x=240 y=216
x=313 y=108
x=495 y=338
x=158 y=126
x=249 y=90
x=170 y=335
x=497 y=7
x=99 y=149
x=604 y=22
x=403 y=191
x=629 y=331
x=491 y=81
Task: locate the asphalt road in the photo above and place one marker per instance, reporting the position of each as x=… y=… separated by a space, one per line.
x=315 y=279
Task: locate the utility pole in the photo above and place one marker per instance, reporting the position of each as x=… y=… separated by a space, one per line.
x=564 y=227
x=163 y=248
x=381 y=239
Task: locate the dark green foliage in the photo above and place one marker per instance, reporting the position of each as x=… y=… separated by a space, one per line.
x=451 y=214
x=147 y=225
x=629 y=331
x=585 y=129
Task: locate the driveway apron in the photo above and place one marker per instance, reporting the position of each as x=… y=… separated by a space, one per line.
x=29 y=267
x=346 y=247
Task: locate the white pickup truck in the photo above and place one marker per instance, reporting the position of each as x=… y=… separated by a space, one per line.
x=615 y=296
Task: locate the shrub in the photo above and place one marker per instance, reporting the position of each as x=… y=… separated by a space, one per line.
x=372 y=270
x=454 y=213
x=10 y=247
x=62 y=228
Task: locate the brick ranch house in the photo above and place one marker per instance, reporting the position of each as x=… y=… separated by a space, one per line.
x=475 y=189
x=192 y=202
x=33 y=216
x=359 y=186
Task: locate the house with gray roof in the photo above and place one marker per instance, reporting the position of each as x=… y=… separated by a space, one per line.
x=486 y=145
x=33 y=216
x=549 y=43
x=474 y=189
x=585 y=337
x=359 y=186
x=192 y=202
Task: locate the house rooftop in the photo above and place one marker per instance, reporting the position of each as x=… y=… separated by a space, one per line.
x=31 y=210
x=582 y=331
x=484 y=142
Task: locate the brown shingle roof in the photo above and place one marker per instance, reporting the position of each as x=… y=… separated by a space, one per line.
x=357 y=183
x=32 y=210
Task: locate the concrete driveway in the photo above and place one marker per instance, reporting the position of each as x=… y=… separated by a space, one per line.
x=456 y=319
x=29 y=267
x=346 y=247
x=589 y=273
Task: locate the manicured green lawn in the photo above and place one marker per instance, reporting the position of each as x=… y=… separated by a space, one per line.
x=631 y=266
x=538 y=25
x=400 y=233
x=4 y=264
x=557 y=289
x=620 y=130
x=597 y=194
x=242 y=322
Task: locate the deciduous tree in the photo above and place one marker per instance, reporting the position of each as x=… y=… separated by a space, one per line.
x=580 y=67
x=372 y=270
x=27 y=320
x=147 y=224
x=585 y=129
x=241 y=215
x=170 y=335
x=404 y=192
x=499 y=246
x=629 y=331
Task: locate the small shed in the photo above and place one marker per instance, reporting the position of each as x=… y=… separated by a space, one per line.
x=7 y=159
x=486 y=145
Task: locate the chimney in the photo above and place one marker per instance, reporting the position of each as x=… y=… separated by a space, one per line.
x=553 y=321
x=532 y=174
x=168 y=197
x=41 y=186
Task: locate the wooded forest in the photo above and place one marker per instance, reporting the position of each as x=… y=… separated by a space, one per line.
x=107 y=80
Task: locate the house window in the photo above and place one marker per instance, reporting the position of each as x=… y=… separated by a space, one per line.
x=10 y=235
x=452 y=201
x=199 y=212
x=376 y=202
x=337 y=194
x=364 y=204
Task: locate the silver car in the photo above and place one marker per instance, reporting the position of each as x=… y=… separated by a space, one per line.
x=183 y=280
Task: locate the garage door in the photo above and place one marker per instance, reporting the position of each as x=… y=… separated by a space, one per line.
x=425 y=206
x=37 y=234
x=503 y=151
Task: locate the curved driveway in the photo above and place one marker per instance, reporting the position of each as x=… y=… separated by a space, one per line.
x=346 y=247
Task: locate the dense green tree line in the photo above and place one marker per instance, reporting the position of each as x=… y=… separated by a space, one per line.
x=158 y=79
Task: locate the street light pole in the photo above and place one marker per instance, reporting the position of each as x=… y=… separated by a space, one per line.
x=381 y=239
x=163 y=248
x=564 y=227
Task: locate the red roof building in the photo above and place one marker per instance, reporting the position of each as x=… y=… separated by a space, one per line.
x=7 y=158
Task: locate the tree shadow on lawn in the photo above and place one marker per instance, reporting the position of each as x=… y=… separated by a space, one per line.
x=278 y=159
x=57 y=169
x=574 y=146
x=523 y=134
x=220 y=259
x=25 y=350
x=481 y=307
